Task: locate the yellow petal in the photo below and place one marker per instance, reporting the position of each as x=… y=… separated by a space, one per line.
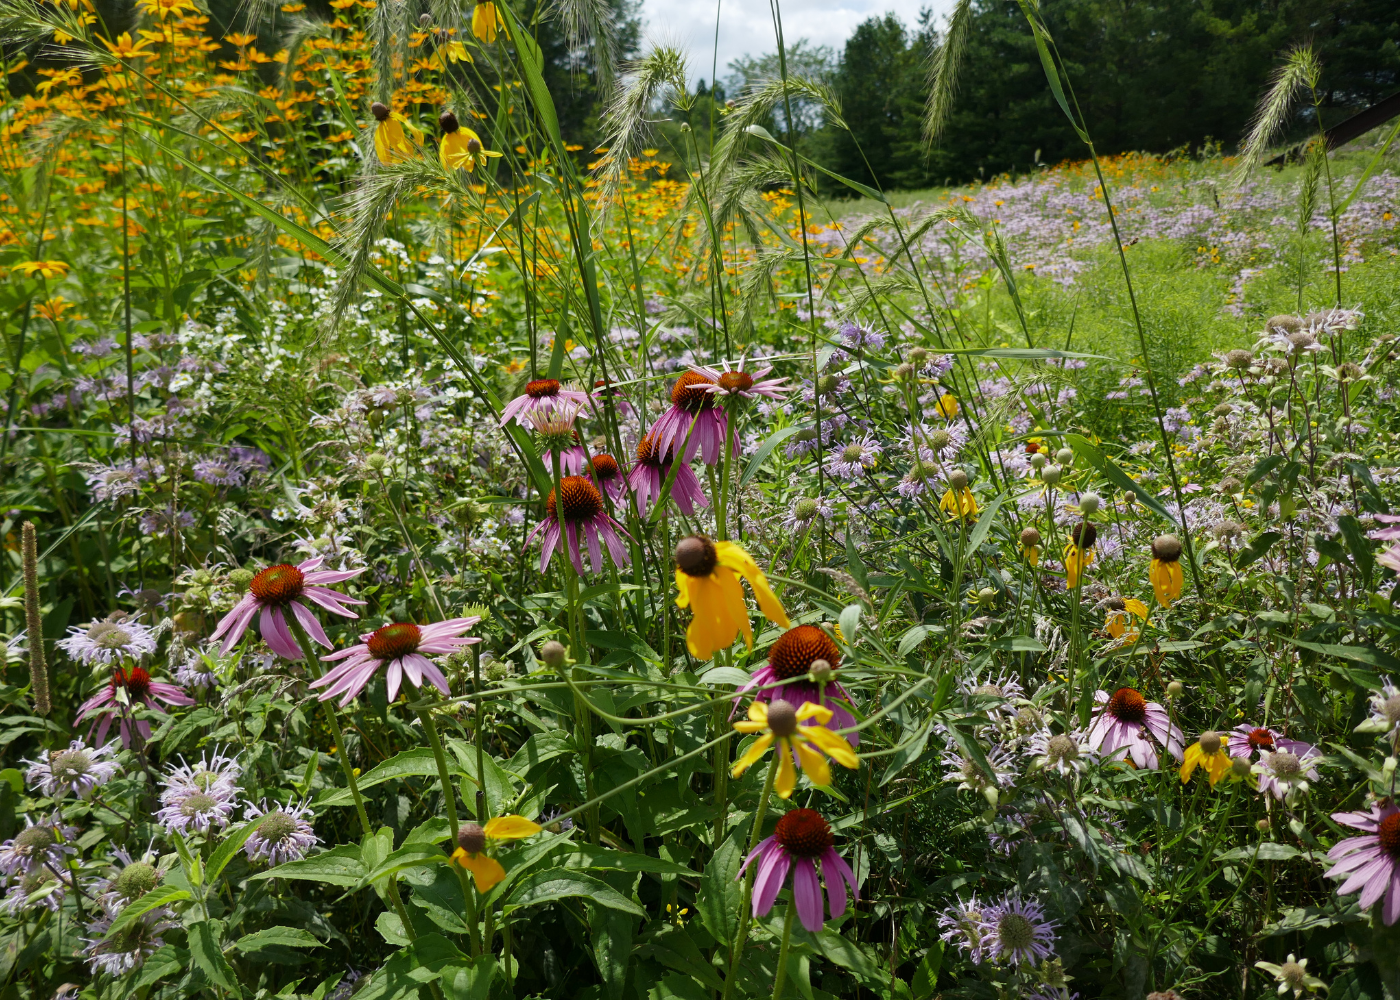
x=745 y=726
x=760 y=746
x=1191 y=761
x=682 y=589
x=813 y=763
x=736 y=611
x=1137 y=607
x=811 y=710
x=787 y=774
x=511 y=828
x=486 y=871
x=758 y=712
x=735 y=558
x=836 y=746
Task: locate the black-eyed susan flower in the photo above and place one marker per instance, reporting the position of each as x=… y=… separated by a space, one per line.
x=1165 y=572
x=1119 y=612
x=391 y=141
x=807 y=743
x=958 y=502
x=1030 y=546
x=486 y=21
x=461 y=147
x=947 y=406
x=1079 y=551
x=474 y=842
x=1208 y=753
x=707 y=582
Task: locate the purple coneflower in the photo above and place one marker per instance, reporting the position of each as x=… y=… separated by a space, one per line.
x=556 y=431
x=1370 y=864
x=800 y=652
x=78 y=770
x=649 y=474
x=581 y=513
x=801 y=839
x=404 y=648
x=608 y=475
x=1249 y=741
x=542 y=394
x=1124 y=721
x=853 y=459
x=283 y=835
x=280 y=589
x=737 y=382
x=692 y=402
x=1017 y=931
x=122 y=693
x=36 y=846
x=109 y=641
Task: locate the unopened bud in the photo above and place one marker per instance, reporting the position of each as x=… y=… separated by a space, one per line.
x=904 y=372
x=917 y=355
x=1064 y=456
x=1050 y=475
x=1089 y=503
x=1129 y=497
x=376 y=460
x=821 y=672
x=1175 y=689
x=553 y=653
x=1038 y=460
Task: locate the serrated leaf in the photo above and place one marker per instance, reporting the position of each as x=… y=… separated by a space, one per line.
x=208 y=956
x=287 y=937
x=408 y=856
x=560 y=883
x=341 y=866
x=161 y=895
x=911 y=639
x=228 y=847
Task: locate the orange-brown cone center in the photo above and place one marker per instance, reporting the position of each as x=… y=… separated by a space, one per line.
x=797 y=648
x=1127 y=705
x=278 y=584
x=393 y=641
x=581 y=499
x=805 y=834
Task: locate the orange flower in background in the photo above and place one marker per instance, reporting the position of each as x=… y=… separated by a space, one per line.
x=54 y=308
x=43 y=268
x=164 y=8
x=124 y=48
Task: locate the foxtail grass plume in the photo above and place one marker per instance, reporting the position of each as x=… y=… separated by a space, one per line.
x=33 y=620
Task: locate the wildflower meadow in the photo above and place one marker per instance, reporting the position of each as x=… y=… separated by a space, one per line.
x=444 y=559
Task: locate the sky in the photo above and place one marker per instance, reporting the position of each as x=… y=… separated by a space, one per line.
x=746 y=26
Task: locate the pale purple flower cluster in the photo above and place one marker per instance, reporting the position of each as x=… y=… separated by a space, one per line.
x=77 y=770
x=283 y=835
x=109 y=641
x=199 y=797
x=854 y=458
x=38 y=845
x=1014 y=930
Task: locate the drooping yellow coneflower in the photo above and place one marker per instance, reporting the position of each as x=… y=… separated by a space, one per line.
x=1030 y=546
x=391 y=142
x=1165 y=572
x=461 y=147
x=1207 y=753
x=1079 y=551
x=947 y=405
x=784 y=724
x=486 y=21
x=707 y=582
x=958 y=502
x=1118 y=614
x=474 y=840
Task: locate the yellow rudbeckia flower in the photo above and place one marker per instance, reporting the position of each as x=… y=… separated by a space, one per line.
x=947 y=405
x=707 y=582
x=461 y=147
x=486 y=21
x=808 y=743
x=43 y=268
x=391 y=142
x=473 y=839
x=1165 y=572
x=1079 y=551
x=1119 y=615
x=1030 y=546
x=1207 y=753
x=958 y=502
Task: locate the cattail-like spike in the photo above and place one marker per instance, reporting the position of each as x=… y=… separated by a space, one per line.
x=33 y=622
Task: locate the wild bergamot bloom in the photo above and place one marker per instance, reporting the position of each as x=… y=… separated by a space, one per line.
x=391 y=141
x=1079 y=551
x=958 y=502
x=1208 y=753
x=461 y=147
x=707 y=582
x=1166 y=569
x=486 y=21
x=473 y=841
x=808 y=743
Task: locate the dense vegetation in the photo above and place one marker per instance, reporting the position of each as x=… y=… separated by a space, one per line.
x=446 y=559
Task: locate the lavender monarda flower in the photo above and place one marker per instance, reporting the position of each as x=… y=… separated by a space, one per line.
x=1017 y=932
x=127 y=949
x=280 y=590
x=1370 y=864
x=109 y=641
x=78 y=770
x=404 y=649
x=649 y=475
x=802 y=838
x=1123 y=722
x=199 y=797
x=283 y=835
x=37 y=846
x=121 y=695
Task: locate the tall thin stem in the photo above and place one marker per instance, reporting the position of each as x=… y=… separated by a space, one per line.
x=736 y=953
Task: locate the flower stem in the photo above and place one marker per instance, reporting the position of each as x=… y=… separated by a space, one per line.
x=736 y=953
x=781 y=977
x=449 y=798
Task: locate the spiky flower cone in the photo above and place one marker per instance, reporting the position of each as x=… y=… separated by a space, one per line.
x=34 y=624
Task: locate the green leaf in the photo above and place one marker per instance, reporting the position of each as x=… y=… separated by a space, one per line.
x=1052 y=75
x=925 y=981
x=287 y=937
x=15 y=779
x=764 y=450
x=849 y=621
x=560 y=883
x=1257 y=548
x=209 y=957
x=849 y=955
x=590 y=856
x=416 y=763
x=420 y=963
x=1018 y=644
x=1084 y=448
x=161 y=895
x=911 y=640
x=1024 y=353
x=230 y=846
x=725 y=675
x=1368 y=656
x=408 y=856
x=1267 y=851
x=341 y=866
x=983 y=526
x=472 y=981
x=907 y=753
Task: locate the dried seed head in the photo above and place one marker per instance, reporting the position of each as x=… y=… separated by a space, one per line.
x=447 y=121
x=939 y=439
x=1085 y=534
x=917 y=355
x=1209 y=742
x=1283 y=323
x=1223 y=410
x=1239 y=359
x=380 y=111
x=1030 y=538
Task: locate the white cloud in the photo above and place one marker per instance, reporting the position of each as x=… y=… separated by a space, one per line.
x=746 y=26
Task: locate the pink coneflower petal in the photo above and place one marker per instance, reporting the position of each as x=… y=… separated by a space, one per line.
x=773 y=868
x=835 y=881
x=435 y=677
x=311 y=624
x=331 y=600
x=236 y=622
x=1392 y=900
x=275 y=633
x=393 y=677
x=807 y=894
x=1379 y=875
